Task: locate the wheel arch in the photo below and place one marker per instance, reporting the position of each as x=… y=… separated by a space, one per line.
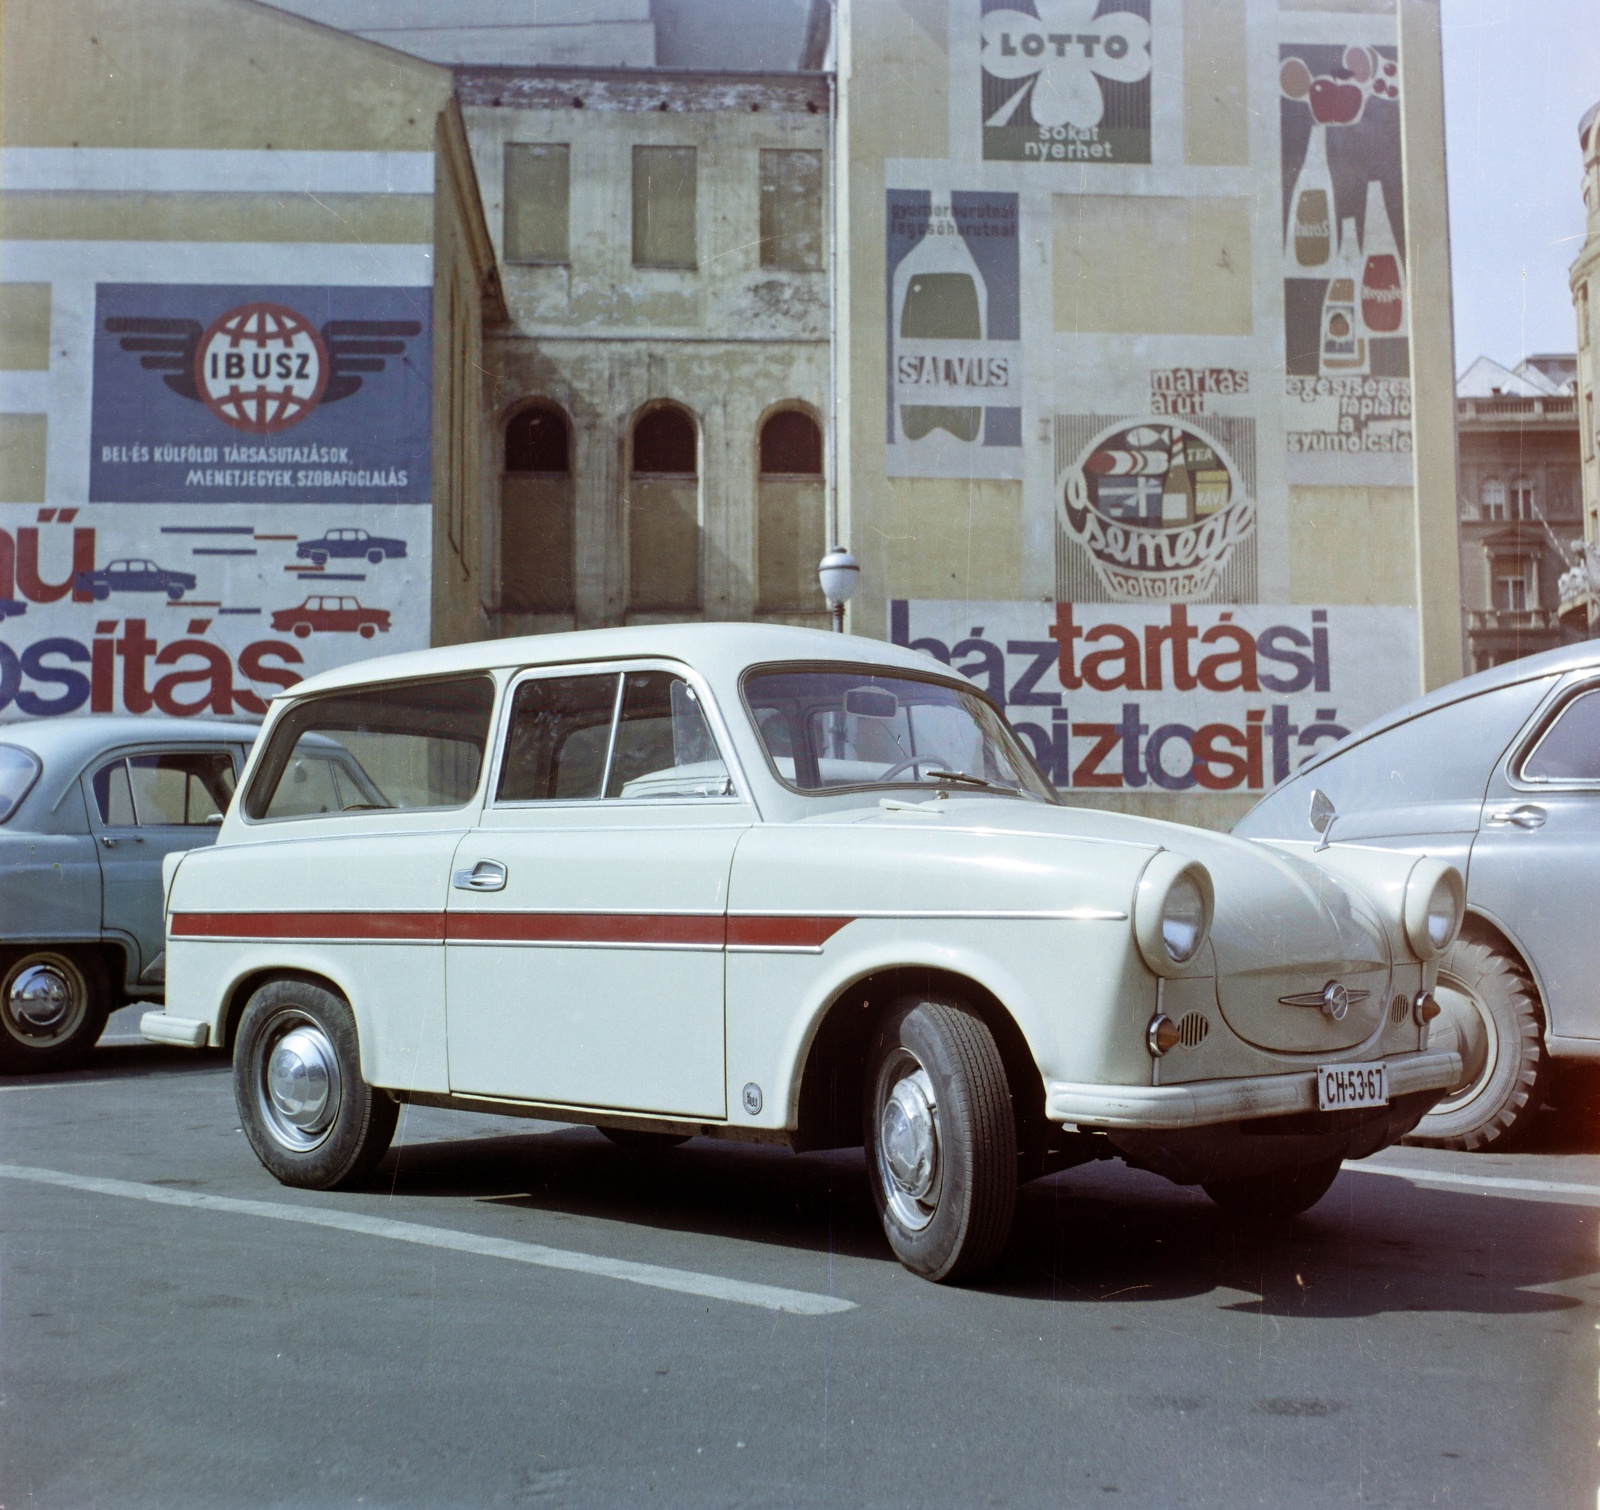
x=1483 y=928
x=829 y=1097
x=246 y=985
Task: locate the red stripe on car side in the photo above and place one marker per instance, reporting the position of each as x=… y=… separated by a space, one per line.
x=426 y=927
x=586 y=928
x=620 y=928
x=782 y=933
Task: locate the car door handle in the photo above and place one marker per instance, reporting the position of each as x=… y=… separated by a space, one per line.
x=486 y=875
x=1524 y=815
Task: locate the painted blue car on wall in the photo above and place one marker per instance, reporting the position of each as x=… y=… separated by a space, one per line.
x=132 y=574
x=349 y=543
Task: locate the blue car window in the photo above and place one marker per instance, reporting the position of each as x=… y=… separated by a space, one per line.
x=113 y=796
x=1569 y=749
x=19 y=769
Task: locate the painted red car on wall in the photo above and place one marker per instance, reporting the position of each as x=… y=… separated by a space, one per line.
x=337 y=615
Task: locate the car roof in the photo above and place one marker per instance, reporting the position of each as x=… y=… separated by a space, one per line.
x=1583 y=656
x=717 y=650
x=76 y=736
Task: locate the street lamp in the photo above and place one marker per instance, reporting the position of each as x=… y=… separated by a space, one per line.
x=839 y=575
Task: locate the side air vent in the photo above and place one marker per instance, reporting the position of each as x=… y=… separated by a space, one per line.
x=1192 y=1029
x=1399 y=1010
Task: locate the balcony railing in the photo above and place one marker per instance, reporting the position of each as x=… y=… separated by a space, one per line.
x=1527 y=410
x=1481 y=620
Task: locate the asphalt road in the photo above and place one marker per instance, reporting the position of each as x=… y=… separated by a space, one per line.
x=516 y=1314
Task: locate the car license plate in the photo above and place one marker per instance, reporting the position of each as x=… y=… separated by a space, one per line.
x=1340 y=1086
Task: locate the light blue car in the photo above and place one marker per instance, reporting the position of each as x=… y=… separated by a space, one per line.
x=1499 y=774
x=88 y=808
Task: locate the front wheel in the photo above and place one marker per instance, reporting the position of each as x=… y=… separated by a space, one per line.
x=53 y=1006
x=941 y=1138
x=1491 y=1018
x=311 y=1118
x=1284 y=1192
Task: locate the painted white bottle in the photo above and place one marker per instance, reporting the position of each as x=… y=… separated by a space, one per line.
x=939 y=295
x=1342 y=346
x=1383 y=275
x=1308 y=242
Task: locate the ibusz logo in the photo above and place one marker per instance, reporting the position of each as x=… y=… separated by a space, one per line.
x=263 y=367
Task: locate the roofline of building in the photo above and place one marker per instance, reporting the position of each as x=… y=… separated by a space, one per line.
x=576 y=71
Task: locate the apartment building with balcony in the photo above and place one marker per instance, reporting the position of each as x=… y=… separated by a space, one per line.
x=1520 y=504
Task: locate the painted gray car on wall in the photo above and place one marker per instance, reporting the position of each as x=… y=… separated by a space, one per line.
x=1500 y=775
x=88 y=808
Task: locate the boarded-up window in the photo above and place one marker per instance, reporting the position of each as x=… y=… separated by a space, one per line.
x=791 y=209
x=790 y=505
x=536 y=202
x=664 y=515
x=663 y=207
x=536 y=514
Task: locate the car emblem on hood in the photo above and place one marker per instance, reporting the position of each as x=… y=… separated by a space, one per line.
x=1334 y=999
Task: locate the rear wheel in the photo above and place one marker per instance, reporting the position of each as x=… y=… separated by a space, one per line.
x=1491 y=1017
x=301 y=629
x=53 y=1006
x=1284 y=1192
x=311 y=1118
x=941 y=1138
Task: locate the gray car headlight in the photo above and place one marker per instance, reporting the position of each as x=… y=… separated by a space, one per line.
x=1435 y=904
x=1172 y=912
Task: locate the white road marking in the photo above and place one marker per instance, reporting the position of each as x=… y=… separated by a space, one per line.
x=92 y=1078
x=1486 y=1184
x=685 y=1281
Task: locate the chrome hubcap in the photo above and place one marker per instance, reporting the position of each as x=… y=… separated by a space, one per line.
x=300 y=1090
x=45 y=1001
x=908 y=1141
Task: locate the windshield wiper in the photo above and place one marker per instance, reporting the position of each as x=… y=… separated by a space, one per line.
x=992 y=786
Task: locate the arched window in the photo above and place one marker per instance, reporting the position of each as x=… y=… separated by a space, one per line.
x=537 y=572
x=664 y=513
x=790 y=514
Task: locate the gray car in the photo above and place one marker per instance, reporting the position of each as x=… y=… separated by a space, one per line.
x=88 y=808
x=1500 y=775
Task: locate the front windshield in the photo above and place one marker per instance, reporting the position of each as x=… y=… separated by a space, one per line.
x=17 y=771
x=834 y=727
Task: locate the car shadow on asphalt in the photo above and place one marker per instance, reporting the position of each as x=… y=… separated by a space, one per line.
x=128 y=1061
x=1373 y=1245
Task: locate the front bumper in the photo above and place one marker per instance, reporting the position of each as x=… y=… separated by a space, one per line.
x=185 y=1032
x=1208 y=1102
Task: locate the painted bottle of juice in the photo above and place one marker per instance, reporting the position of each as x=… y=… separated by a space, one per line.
x=1308 y=248
x=940 y=296
x=1383 y=277
x=1343 y=347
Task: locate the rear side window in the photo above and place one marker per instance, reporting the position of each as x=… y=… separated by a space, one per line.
x=18 y=771
x=167 y=788
x=1569 y=750
x=407 y=746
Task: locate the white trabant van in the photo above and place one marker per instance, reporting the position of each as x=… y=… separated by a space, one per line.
x=757 y=882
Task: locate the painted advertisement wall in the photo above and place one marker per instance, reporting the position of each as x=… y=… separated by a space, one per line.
x=237 y=482
x=1188 y=351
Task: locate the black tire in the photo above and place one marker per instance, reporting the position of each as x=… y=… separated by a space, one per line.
x=643 y=1142
x=53 y=1008
x=945 y=1197
x=375 y=557
x=1491 y=1012
x=312 y=1120
x=1283 y=1193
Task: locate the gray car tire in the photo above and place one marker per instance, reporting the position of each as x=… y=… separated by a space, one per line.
x=1491 y=1013
x=53 y=1007
x=941 y=1138
x=310 y=1117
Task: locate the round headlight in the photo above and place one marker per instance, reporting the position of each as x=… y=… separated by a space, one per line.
x=1434 y=905
x=1172 y=912
x=1183 y=919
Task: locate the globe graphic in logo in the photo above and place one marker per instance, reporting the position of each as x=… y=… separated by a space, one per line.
x=261 y=367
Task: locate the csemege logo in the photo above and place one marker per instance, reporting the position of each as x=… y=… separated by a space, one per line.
x=263 y=367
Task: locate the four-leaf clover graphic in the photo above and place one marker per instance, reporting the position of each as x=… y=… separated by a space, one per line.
x=1061 y=51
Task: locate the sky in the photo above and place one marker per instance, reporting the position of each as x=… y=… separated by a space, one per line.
x=1518 y=75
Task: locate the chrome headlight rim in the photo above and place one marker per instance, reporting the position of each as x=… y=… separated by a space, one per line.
x=1167 y=874
x=1435 y=906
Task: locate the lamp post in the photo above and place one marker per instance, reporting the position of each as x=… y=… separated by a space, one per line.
x=839 y=575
